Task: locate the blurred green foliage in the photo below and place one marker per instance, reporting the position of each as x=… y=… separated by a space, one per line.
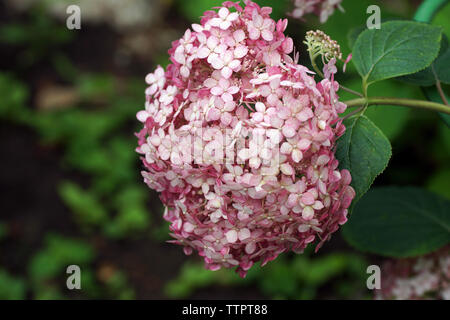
x=11 y=288
x=38 y=37
x=301 y=277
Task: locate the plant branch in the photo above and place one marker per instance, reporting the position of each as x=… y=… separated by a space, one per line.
x=441 y=92
x=351 y=91
x=419 y=104
x=354 y=112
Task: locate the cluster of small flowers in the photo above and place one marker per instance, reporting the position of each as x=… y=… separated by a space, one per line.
x=322 y=8
x=320 y=43
x=232 y=77
x=426 y=277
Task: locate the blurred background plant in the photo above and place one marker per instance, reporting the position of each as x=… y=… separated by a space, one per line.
x=70 y=183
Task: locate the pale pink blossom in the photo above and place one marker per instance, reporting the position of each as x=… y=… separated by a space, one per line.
x=421 y=278
x=322 y=8
x=260 y=27
x=226 y=62
x=225 y=18
x=155 y=80
x=212 y=48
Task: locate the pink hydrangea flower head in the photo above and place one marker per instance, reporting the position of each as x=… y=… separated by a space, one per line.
x=238 y=139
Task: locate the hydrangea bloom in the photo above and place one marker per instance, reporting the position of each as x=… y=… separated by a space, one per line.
x=426 y=277
x=239 y=138
x=322 y=8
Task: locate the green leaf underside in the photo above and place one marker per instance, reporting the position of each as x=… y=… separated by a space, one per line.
x=439 y=69
x=399 y=222
x=363 y=150
x=398 y=48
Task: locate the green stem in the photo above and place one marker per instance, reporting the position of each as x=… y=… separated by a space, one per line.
x=314 y=65
x=350 y=91
x=428 y=9
x=419 y=104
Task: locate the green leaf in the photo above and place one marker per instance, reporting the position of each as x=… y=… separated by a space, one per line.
x=398 y=48
x=353 y=34
x=439 y=69
x=399 y=222
x=363 y=150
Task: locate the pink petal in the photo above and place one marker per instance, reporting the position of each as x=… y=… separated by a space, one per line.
x=142 y=115
x=289 y=131
x=253 y=33
x=287 y=169
x=272 y=99
x=215 y=22
x=304 y=144
x=210 y=83
x=213 y=114
x=240 y=52
x=308 y=213
x=267 y=35
x=233 y=89
x=217 y=63
x=224 y=12
x=257 y=20
x=257 y=116
x=260 y=107
x=226 y=72
x=226 y=118
x=307 y=198
x=244 y=234
x=203 y=52
x=286 y=148
x=212 y=42
x=297 y=155
x=239 y=35
x=224 y=25
x=217 y=91
x=232 y=16
x=250 y=247
x=226 y=97
x=234 y=65
x=231 y=236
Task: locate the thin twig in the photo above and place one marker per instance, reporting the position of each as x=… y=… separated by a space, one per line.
x=419 y=104
x=441 y=92
x=351 y=91
x=353 y=112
